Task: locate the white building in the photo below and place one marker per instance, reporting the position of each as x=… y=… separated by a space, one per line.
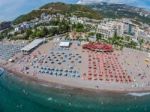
x=123 y=27
x=22 y=26
x=75 y=20
x=17 y=29
x=106 y=29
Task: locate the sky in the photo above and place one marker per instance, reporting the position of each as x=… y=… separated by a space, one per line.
x=10 y=9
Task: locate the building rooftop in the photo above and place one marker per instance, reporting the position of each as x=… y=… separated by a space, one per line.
x=32 y=45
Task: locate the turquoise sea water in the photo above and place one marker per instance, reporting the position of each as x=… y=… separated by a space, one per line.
x=17 y=95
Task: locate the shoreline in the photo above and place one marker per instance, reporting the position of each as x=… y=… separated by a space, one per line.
x=67 y=86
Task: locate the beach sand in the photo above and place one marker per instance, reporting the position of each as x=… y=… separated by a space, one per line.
x=132 y=62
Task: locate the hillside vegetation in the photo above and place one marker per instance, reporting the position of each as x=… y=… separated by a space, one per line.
x=120 y=11
x=62 y=8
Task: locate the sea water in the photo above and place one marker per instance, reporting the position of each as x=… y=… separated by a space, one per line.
x=21 y=95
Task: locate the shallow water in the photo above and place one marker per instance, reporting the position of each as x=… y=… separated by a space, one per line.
x=17 y=95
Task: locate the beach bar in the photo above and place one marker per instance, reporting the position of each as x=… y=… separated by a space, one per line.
x=31 y=46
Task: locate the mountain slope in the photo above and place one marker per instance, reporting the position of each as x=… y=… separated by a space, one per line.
x=136 y=3
x=66 y=9
x=121 y=11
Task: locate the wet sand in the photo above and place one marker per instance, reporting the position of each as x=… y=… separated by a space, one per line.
x=76 y=84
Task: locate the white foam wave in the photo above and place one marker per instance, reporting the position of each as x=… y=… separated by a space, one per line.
x=139 y=94
x=44 y=85
x=50 y=99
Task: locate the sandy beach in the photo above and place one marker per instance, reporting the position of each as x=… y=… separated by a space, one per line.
x=132 y=63
x=76 y=84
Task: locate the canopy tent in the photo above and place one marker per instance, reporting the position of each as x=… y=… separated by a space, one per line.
x=64 y=44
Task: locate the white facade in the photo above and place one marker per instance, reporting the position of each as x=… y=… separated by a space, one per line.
x=123 y=27
x=17 y=29
x=106 y=29
x=75 y=20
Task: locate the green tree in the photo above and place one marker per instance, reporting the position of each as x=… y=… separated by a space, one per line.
x=133 y=44
x=98 y=36
x=141 y=41
x=28 y=33
x=45 y=31
x=127 y=38
x=79 y=27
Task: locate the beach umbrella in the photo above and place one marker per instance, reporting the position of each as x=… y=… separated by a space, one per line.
x=70 y=71
x=84 y=74
x=89 y=74
x=101 y=79
x=79 y=62
x=65 y=74
x=89 y=78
